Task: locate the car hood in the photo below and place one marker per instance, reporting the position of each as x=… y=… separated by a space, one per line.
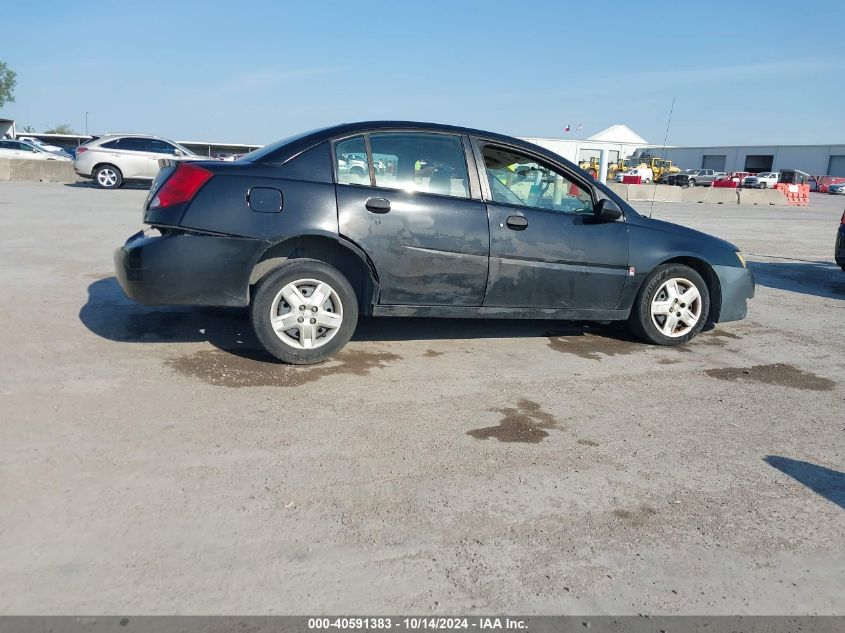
x=677 y=229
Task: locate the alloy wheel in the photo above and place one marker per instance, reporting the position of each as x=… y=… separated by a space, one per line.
x=107 y=177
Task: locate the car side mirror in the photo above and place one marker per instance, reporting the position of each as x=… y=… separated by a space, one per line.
x=607 y=211
x=178 y=152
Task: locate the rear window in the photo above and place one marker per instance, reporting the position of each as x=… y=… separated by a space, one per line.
x=275 y=152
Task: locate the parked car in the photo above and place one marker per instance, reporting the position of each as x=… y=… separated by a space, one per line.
x=645 y=173
x=836 y=189
x=15 y=148
x=839 y=250
x=39 y=143
x=763 y=180
x=825 y=182
x=493 y=227
x=113 y=159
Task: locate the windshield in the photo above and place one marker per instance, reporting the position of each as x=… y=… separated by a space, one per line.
x=185 y=150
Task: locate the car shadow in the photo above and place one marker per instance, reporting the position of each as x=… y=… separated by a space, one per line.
x=826 y=482
x=130 y=186
x=819 y=278
x=108 y=313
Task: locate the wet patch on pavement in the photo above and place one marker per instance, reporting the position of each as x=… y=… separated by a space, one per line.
x=670 y=361
x=255 y=368
x=587 y=442
x=591 y=346
x=717 y=338
x=636 y=516
x=431 y=353
x=779 y=374
x=527 y=423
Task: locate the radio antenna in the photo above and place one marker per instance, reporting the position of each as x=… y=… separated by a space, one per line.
x=662 y=155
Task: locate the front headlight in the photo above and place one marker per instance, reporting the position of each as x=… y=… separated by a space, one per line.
x=740 y=257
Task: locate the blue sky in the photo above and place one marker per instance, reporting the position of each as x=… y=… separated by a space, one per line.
x=257 y=71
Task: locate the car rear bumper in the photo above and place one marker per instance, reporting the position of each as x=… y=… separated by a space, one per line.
x=737 y=286
x=182 y=268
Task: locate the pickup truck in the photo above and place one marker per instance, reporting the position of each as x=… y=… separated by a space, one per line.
x=764 y=180
x=703 y=177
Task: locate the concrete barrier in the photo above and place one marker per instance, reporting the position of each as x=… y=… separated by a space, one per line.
x=658 y=193
x=41 y=170
x=718 y=195
x=619 y=189
x=5 y=169
x=761 y=197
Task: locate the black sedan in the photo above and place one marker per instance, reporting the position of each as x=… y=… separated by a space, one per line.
x=455 y=222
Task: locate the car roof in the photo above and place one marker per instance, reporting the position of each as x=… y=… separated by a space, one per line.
x=297 y=144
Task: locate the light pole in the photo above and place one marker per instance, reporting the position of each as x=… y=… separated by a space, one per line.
x=86 y=124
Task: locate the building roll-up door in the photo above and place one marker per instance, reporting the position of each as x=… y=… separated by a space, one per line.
x=716 y=162
x=836 y=167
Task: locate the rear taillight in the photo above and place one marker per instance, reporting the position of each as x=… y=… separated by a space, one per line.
x=182 y=186
x=80 y=150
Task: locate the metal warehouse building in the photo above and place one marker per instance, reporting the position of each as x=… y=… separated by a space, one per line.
x=812 y=159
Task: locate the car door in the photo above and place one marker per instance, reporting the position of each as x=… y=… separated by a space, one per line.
x=419 y=217
x=159 y=149
x=546 y=249
x=127 y=154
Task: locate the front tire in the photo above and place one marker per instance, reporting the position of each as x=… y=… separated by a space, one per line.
x=671 y=307
x=304 y=312
x=108 y=177
x=691 y=182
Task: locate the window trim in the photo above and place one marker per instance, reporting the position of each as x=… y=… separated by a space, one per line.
x=479 y=143
x=473 y=180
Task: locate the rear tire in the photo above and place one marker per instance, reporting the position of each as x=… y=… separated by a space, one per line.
x=107 y=177
x=671 y=307
x=292 y=324
x=691 y=182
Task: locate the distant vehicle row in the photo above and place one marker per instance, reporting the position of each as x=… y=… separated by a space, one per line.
x=18 y=148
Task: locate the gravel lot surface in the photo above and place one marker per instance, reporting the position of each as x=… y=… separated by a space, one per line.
x=154 y=461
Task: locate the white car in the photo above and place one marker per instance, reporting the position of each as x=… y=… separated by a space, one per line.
x=765 y=180
x=115 y=158
x=15 y=148
x=645 y=173
x=39 y=143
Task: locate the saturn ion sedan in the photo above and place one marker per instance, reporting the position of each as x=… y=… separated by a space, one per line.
x=440 y=221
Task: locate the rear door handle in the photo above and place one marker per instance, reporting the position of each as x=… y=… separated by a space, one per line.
x=377 y=205
x=517 y=222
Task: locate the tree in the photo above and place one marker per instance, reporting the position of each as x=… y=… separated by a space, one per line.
x=63 y=128
x=8 y=78
x=28 y=129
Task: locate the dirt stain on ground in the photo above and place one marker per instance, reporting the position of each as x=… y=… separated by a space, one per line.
x=590 y=346
x=431 y=353
x=780 y=374
x=254 y=368
x=636 y=516
x=526 y=423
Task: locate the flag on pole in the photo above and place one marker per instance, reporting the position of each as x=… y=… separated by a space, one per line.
x=567 y=128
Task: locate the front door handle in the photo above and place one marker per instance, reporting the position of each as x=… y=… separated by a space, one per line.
x=377 y=205
x=517 y=222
